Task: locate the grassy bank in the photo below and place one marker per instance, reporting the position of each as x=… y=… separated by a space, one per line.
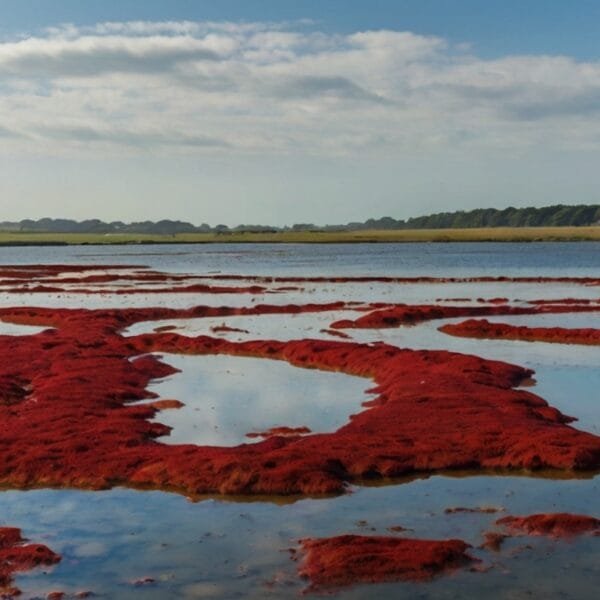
x=500 y=234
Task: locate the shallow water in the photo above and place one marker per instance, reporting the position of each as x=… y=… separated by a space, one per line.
x=431 y=259
x=228 y=548
x=281 y=327
x=14 y=329
x=227 y=397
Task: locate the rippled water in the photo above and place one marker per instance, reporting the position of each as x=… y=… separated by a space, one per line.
x=432 y=259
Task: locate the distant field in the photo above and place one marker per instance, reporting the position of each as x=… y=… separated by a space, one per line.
x=500 y=234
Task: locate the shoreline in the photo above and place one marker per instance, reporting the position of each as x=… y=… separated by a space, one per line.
x=477 y=235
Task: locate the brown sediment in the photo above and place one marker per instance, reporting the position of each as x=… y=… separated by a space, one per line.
x=166 y=404
x=141 y=581
x=279 y=431
x=164 y=328
x=479 y=509
x=493 y=540
x=351 y=559
x=336 y=333
x=493 y=300
x=483 y=329
x=73 y=422
x=559 y=525
x=226 y=329
x=17 y=556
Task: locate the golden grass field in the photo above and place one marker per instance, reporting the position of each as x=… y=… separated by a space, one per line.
x=500 y=234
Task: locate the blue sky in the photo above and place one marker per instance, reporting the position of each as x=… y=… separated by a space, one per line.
x=275 y=111
x=493 y=27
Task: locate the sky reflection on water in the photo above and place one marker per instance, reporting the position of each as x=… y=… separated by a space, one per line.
x=227 y=397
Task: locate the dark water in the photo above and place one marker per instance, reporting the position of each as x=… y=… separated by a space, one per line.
x=431 y=259
x=230 y=548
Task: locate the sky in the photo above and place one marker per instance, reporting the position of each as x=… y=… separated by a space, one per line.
x=280 y=112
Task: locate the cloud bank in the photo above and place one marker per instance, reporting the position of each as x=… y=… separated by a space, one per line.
x=170 y=87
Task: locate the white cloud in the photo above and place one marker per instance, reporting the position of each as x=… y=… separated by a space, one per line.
x=267 y=87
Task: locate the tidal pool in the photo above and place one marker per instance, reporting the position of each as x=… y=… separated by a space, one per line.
x=14 y=329
x=228 y=397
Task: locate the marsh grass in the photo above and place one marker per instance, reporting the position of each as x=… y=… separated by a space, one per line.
x=499 y=234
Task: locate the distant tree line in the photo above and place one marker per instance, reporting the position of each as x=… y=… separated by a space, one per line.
x=558 y=215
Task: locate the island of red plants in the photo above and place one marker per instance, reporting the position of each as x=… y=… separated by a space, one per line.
x=16 y=555
x=483 y=329
x=349 y=559
x=559 y=525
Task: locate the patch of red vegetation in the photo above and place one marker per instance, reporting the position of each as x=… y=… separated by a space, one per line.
x=418 y=279
x=226 y=329
x=560 y=525
x=398 y=528
x=44 y=279
x=47 y=273
x=351 y=559
x=17 y=556
x=73 y=424
x=411 y=314
x=279 y=431
x=493 y=300
x=196 y=288
x=483 y=329
x=566 y=301
x=30 y=272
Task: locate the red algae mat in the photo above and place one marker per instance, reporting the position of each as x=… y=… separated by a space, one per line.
x=65 y=397
x=407 y=314
x=17 y=556
x=350 y=559
x=559 y=525
x=483 y=329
